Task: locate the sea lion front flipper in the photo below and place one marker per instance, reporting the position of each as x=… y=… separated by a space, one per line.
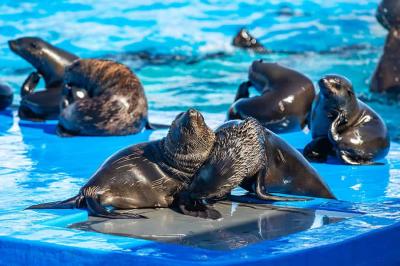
x=346 y=157
x=318 y=149
x=30 y=84
x=243 y=91
x=96 y=209
x=261 y=193
x=196 y=208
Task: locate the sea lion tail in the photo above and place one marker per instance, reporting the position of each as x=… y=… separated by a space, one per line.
x=71 y=203
x=154 y=126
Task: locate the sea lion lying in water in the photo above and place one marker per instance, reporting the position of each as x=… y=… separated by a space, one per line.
x=146 y=175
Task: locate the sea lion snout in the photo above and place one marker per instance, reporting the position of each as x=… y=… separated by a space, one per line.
x=334 y=85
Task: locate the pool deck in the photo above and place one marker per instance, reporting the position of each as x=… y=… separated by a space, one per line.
x=29 y=237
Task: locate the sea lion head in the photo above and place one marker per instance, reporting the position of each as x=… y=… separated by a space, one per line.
x=49 y=60
x=336 y=88
x=244 y=39
x=189 y=141
x=388 y=14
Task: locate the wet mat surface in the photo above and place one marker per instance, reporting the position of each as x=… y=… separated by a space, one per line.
x=241 y=225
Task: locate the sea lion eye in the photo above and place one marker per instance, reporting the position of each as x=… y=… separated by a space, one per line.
x=34 y=45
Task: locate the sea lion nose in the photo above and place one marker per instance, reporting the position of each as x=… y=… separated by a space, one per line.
x=12 y=44
x=192 y=112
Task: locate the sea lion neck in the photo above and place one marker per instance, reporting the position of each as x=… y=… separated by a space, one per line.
x=392 y=44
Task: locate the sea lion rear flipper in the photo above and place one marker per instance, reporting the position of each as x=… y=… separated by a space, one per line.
x=71 y=203
x=96 y=209
x=30 y=84
x=196 y=208
x=153 y=126
x=243 y=90
x=262 y=194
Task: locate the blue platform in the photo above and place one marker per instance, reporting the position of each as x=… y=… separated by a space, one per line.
x=40 y=167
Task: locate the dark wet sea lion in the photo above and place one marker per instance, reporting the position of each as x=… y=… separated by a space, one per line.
x=146 y=175
x=386 y=77
x=50 y=63
x=285 y=101
x=247 y=154
x=244 y=39
x=388 y=14
x=6 y=96
x=344 y=126
x=102 y=98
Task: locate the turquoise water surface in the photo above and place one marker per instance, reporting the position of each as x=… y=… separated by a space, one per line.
x=174 y=37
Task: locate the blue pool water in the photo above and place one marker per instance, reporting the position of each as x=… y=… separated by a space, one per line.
x=37 y=166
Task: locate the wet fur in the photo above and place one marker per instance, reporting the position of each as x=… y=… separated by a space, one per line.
x=116 y=103
x=146 y=175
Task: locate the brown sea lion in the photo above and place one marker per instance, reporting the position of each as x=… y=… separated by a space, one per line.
x=146 y=175
x=247 y=154
x=102 y=98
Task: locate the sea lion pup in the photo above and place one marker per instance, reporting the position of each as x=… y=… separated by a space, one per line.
x=386 y=77
x=243 y=39
x=146 y=175
x=247 y=154
x=6 y=96
x=101 y=98
x=50 y=63
x=344 y=126
x=285 y=101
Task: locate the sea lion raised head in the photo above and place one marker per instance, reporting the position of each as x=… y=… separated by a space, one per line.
x=189 y=141
x=49 y=60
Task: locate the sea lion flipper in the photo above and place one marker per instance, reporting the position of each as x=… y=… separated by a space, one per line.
x=30 y=84
x=243 y=90
x=71 y=203
x=346 y=157
x=196 y=208
x=262 y=194
x=96 y=209
x=318 y=150
x=153 y=126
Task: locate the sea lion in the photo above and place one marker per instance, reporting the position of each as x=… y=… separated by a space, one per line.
x=344 y=126
x=50 y=63
x=243 y=39
x=388 y=14
x=285 y=101
x=247 y=154
x=146 y=175
x=386 y=77
x=6 y=96
x=101 y=98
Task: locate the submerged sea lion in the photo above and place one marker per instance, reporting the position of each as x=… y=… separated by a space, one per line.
x=102 y=98
x=386 y=77
x=50 y=63
x=247 y=154
x=244 y=39
x=285 y=101
x=6 y=96
x=344 y=126
x=146 y=175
